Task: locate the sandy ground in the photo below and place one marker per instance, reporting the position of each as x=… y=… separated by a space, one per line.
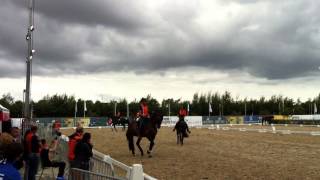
x=213 y=154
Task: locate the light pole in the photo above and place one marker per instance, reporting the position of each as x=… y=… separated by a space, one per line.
x=30 y=54
x=23 y=102
x=169 y=112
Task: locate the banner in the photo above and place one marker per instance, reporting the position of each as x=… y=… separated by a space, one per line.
x=206 y=120
x=190 y=120
x=252 y=119
x=98 y=121
x=235 y=119
x=84 y=122
x=68 y=122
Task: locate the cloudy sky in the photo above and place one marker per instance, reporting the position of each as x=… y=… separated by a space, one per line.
x=105 y=49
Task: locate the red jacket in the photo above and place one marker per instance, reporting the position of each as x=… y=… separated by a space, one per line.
x=73 y=140
x=182 y=112
x=32 y=143
x=144 y=111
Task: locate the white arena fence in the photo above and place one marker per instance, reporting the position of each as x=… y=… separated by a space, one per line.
x=273 y=128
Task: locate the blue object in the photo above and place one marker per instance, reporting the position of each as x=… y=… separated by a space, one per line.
x=7 y=171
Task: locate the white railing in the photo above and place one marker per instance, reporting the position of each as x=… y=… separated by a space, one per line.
x=131 y=172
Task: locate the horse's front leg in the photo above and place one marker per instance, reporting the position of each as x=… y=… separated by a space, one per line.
x=178 y=137
x=150 y=146
x=138 y=144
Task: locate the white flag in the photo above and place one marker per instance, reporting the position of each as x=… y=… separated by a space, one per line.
x=210 y=109
x=315 y=108
x=84 y=106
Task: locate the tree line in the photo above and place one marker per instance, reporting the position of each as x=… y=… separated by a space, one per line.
x=221 y=104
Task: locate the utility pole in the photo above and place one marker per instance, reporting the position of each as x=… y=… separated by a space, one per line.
x=30 y=54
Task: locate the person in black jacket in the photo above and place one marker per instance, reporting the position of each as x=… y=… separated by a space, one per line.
x=47 y=153
x=83 y=152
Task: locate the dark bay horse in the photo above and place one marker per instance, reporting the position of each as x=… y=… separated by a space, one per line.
x=123 y=121
x=119 y=121
x=149 y=131
x=267 y=120
x=182 y=128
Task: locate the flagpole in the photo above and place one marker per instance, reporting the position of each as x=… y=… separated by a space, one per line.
x=75 y=114
x=169 y=113
x=188 y=110
x=245 y=109
x=84 y=109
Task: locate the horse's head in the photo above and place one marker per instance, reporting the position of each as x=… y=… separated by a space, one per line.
x=156 y=118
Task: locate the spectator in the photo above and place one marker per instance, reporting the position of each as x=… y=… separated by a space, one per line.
x=6 y=138
x=10 y=137
x=73 y=140
x=83 y=152
x=32 y=151
x=15 y=133
x=10 y=153
x=47 y=154
x=56 y=127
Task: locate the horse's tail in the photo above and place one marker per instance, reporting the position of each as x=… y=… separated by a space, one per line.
x=130 y=142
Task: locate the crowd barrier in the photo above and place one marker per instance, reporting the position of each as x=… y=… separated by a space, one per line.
x=101 y=166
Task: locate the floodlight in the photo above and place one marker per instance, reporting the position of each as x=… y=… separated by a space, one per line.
x=27 y=37
x=31 y=28
x=30 y=57
x=33 y=51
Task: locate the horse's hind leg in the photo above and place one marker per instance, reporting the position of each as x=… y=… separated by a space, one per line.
x=138 y=144
x=178 y=138
x=181 y=139
x=150 y=146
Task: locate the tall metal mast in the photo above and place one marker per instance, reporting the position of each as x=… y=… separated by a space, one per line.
x=30 y=54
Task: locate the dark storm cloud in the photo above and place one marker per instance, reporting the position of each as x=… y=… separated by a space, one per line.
x=119 y=14
x=268 y=39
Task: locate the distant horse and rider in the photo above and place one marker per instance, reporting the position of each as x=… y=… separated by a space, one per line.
x=267 y=120
x=181 y=127
x=118 y=119
x=147 y=126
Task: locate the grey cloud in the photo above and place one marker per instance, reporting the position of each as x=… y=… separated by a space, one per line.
x=123 y=15
x=79 y=37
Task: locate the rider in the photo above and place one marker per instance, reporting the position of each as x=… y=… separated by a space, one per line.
x=182 y=114
x=144 y=114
